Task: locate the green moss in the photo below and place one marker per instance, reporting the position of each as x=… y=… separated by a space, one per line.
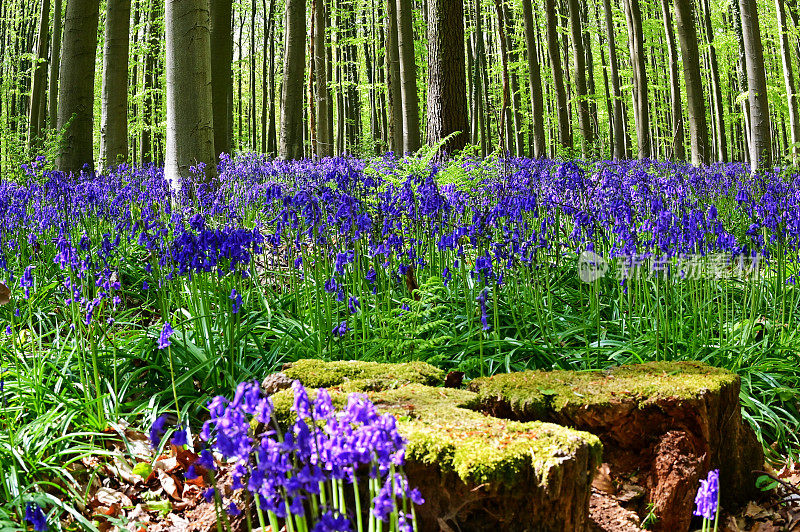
x=532 y=394
x=316 y=373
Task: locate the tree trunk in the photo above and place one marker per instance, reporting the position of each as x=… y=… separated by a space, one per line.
x=678 y=151
x=272 y=132
x=447 y=85
x=291 y=140
x=698 y=127
x=619 y=128
x=579 y=61
x=395 y=97
x=553 y=48
x=114 y=114
x=190 y=122
x=719 y=113
x=633 y=16
x=221 y=73
x=760 y=134
x=76 y=86
x=55 y=63
x=537 y=106
x=788 y=78
x=324 y=144
x=39 y=78
x=408 y=74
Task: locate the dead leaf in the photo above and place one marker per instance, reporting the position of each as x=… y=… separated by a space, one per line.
x=5 y=294
x=109 y=497
x=170 y=484
x=602 y=480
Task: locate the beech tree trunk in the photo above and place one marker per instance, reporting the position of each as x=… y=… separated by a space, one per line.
x=678 y=151
x=719 y=111
x=760 y=129
x=55 y=63
x=553 y=49
x=613 y=64
x=579 y=62
x=537 y=105
x=395 y=97
x=114 y=114
x=291 y=139
x=76 y=86
x=190 y=122
x=39 y=78
x=324 y=144
x=447 y=81
x=221 y=73
x=788 y=78
x=641 y=101
x=408 y=75
x=695 y=102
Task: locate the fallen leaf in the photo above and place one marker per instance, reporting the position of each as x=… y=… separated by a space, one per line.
x=5 y=294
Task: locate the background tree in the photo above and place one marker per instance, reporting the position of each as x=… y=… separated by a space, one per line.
x=760 y=129
x=408 y=76
x=114 y=114
x=291 y=140
x=222 y=73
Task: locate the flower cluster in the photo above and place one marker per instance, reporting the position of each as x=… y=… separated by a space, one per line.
x=707 y=499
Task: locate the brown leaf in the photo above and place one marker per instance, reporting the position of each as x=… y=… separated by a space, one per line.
x=170 y=484
x=109 y=497
x=5 y=294
x=602 y=481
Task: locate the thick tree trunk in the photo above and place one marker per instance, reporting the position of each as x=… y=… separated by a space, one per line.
x=114 y=114
x=719 y=112
x=55 y=63
x=272 y=130
x=760 y=134
x=553 y=48
x=447 y=85
x=76 y=86
x=39 y=78
x=291 y=140
x=618 y=124
x=633 y=16
x=190 y=122
x=678 y=151
x=408 y=74
x=395 y=97
x=537 y=106
x=221 y=73
x=698 y=127
x=788 y=78
x=324 y=144
x=579 y=61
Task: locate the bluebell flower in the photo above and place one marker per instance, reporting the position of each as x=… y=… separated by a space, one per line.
x=179 y=438
x=36 y=517
x=157 y=430
x=166 y=332
x=707 y=499
x=237 y=301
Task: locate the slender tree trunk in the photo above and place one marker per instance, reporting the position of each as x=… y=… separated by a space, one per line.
x=678 y=151
x=537 y=106
x=55 y=63
x=272 y=133
x=291 y=141
x=395 y=97
x=633 y=16
x=617 y=120
x=114 y=114
x=408 y=74
x=579 y=61
x=147 y=151
x=447 y=86
x=760 y=134
x=190 y=122
x=788 y=78
x=698 y=127
x=479 y=76
x=324 y=144
x=517 y=136
x=39 y=78
x=221 y=72
x=76 y=86
x=553 y=48
x=719 y=111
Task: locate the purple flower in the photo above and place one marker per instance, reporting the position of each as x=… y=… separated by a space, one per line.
x=340 y=330
x=233 y=510
x=208 y=495
x=353 y=304
x=35 y=516
x=481 y=299
x=179 y=437
x=157 y=430
x=166 y=332
x=236 y=299
x=707 y=499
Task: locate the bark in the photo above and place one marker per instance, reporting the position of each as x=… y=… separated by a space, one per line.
x=517 y=132
x=579 y=61
x=324 y=144
x=479 y=77
x=447 y=85
x=55 y=63
x=553 y=48
x=147 y=151
x=39 y=78
x=221 y=73
x=190 y=122
x=537 y=107
x=760 y=134
x=272 y=133
x=291 y=139
x=698 y=127
x=395 y=97
x=408 y=75
x=678 y=151
x=788 y=78
x=719 y=112
x=114 y=113
x=641 y=100
x=617 y=119
x=76 y=86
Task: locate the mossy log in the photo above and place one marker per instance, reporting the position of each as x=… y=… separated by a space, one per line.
x=664 y=424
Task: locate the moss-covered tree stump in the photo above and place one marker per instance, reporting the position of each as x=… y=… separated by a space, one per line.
x=664 y=425
x=475 y=472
